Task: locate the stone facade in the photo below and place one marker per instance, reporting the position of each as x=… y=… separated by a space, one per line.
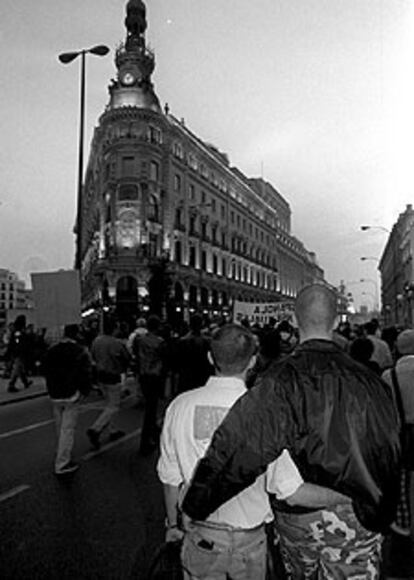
x=397 y=274
x=159 y=201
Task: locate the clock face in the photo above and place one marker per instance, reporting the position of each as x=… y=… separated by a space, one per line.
x=128 y=78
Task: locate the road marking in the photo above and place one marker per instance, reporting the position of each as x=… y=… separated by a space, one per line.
x=93 y=406
x=109 y=446
x=25 y=429
x=12 y=492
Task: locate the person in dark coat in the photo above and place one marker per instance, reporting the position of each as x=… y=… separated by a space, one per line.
x=18 y=352
x=191 y=364
x=68 y=371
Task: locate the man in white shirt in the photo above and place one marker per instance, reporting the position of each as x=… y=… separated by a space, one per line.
x=232 y=540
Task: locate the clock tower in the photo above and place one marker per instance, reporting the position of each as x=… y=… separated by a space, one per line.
x=135 y=63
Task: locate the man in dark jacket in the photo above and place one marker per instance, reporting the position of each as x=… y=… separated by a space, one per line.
x=150 y=356
x=339 y=423
x=111 y=359
x=68 y=372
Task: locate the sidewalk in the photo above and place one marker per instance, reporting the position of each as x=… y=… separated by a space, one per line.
x=36 y=389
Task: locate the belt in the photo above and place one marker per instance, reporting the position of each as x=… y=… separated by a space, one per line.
x=226 y=527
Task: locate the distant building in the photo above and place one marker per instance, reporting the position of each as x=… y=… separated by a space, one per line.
x=13 y=294
x=168 y=223
x=397 y=273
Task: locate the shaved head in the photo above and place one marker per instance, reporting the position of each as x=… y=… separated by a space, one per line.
x=315 y=310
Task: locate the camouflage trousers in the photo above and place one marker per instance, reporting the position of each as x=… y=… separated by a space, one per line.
x=329 y=544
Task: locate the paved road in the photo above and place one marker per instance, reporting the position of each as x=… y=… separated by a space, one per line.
x=103 y=524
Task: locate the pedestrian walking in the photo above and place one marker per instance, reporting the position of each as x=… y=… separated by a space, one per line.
x=111 y=359
x=339 y=422
x=150 y=358
x=18 y=353
x=68 y=372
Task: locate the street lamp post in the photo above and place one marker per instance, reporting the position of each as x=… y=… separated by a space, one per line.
x=372 y=281
x=66 y=58
x=371 y=295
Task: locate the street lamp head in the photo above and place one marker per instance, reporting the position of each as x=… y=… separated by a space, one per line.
x=365 y=228
x=99 y=50
x=67 y=57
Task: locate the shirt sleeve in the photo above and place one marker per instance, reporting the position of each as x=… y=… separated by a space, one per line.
x=282 y=476
x=168 y=467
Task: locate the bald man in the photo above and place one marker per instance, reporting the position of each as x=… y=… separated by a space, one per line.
x=339 y=423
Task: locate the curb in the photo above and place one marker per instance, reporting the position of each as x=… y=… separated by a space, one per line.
x=23 y=398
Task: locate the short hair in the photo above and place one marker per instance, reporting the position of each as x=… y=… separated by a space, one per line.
x=196 y=323
x=370 y=327
x=71 y=331
x=315 y=307
x=405 y=342
x=109 y=324
x=153 y=323
x=232 y=347
x=361 y=349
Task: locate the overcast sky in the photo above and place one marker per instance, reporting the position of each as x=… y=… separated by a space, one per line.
x=319 y=93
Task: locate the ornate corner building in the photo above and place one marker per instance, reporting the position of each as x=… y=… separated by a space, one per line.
x=166 y=220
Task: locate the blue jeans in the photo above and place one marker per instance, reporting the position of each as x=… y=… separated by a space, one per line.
x=215 y=553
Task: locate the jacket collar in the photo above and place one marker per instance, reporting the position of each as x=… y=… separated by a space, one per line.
x=318 y=345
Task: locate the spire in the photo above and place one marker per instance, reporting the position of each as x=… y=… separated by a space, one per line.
x=135 y=63
x=136 y=23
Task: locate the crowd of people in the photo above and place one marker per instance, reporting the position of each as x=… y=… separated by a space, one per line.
x=275 y=435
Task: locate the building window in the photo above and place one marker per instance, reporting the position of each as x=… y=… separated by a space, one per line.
x=223 y=267
x=213 y=206
x=153 y=209
x=223 y=211
x=204 y=230
x=203 y=197
x=191 y=193
x=128 y=165
x=154 y=135
x=223 y=240
x=154 y=171
x=192 y=256
x=204 y=260
x=215 y=264
x=178 y=219
x=214 y=234
x=192 y=228
x=232 y=217
x=127 y=192
x=178 y=252
x=178 y=150
x=177 y=183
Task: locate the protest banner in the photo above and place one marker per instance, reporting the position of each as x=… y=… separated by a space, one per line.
x=262 y=312
x=57 y=299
